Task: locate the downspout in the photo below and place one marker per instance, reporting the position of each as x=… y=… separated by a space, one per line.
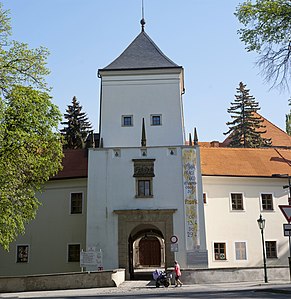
x=100 y=108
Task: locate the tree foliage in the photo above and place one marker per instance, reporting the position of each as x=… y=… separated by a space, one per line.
x=19 y=64
x=246 y=129
x=30 y=148
x=30 y=153
x=77 y=127
x=267 y=31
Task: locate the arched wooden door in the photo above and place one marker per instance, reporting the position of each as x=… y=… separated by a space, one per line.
x=150 y=252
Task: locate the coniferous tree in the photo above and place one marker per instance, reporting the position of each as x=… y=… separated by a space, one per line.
x=77 y=127
x=246 y=129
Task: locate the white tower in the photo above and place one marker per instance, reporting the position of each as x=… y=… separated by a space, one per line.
x=142 y=83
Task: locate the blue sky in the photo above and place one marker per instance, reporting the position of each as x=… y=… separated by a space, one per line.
x=200 y=35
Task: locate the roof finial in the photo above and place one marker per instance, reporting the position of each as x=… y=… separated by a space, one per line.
x=142 y=21
x=195 y=137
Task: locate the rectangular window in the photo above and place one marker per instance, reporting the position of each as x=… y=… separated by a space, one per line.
x=127 y=120
x=267 y=202
x=74 y=253
x=144 y=188
x=220 y=251
x=77 y=203
x=22 y=253
x=156 y=120
x=240 y=251
x=271 y=249
x=237 y=201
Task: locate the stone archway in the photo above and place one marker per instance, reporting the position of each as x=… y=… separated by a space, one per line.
x=133 y=223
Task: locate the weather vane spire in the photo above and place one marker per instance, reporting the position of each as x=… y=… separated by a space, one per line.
x=142 y=21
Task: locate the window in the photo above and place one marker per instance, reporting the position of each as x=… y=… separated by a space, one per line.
x=76 y=203
x=240 y=251
x=237 y=201
x=144 y=187
x=271 y=249
x=127 y=120
x=204 y=198
x=74 y=253
x=267 y=202
x=144 y=173
x=22 y=253
x=220 y=251
x=156 y=120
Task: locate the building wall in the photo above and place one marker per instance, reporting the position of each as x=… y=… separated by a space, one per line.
x=49 y=234
x=142 y=95
x=111 y=186
x=228 y=226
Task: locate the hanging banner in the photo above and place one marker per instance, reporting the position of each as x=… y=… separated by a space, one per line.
x=190 y=197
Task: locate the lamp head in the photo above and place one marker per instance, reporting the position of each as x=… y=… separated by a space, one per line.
x=261 y=222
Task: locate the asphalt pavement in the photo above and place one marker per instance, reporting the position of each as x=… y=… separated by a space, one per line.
x=146 y=289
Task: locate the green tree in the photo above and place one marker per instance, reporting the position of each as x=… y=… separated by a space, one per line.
x=77 y=127
x=30 y=153
x=288 y=120
x=18 y=64
x=30 y=148
x=246 y=128
x=267 y=31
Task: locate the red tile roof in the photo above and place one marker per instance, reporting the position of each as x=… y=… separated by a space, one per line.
x=262 y=162
x=279 y=137
x=75 y=164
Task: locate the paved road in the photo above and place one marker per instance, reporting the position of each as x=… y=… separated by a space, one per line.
x=146 y=289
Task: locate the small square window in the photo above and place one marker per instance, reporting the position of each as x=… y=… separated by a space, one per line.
x=220 y=251
x=240 y=251
x=156 y=120
x=74 y=253
x=77 y=203
x=237 y=202
x=267 y=202
x=22 y=253
x=127 y=120
x=271 y=249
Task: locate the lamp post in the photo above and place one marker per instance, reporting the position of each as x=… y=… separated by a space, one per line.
x=261 y=223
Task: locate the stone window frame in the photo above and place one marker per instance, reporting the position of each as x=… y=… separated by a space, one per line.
x=143 y=171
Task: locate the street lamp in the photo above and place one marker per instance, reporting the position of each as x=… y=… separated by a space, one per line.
x=261 y=223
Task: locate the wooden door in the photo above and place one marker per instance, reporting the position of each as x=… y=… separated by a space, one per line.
x=150 y=252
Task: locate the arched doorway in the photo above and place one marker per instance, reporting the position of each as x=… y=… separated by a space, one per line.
x=133 y=226
x=146 y=251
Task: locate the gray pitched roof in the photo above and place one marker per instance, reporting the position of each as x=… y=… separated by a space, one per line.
x=140 y=54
